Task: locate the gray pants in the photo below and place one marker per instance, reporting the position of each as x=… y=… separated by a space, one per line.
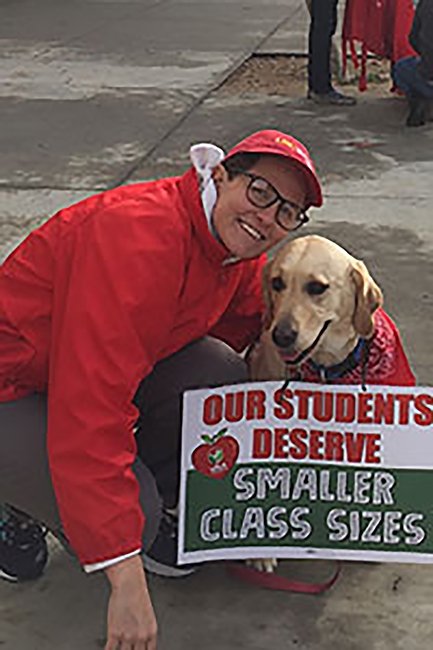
x=24 y=472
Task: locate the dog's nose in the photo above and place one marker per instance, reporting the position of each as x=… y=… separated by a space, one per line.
x=284 y=335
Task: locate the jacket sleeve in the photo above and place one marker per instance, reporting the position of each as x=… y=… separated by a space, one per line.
x=241 y=323
x=114 y=303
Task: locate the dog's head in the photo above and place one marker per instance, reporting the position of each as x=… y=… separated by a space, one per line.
x=319 y=300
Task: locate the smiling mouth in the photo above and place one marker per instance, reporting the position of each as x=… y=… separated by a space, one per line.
x=290 y=360
x=251 y=231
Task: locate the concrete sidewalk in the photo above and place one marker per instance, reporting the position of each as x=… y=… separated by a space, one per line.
x=95 y=93
x=89 y=89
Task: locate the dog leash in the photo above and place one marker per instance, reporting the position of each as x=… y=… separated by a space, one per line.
x=277 y=582
x=273 y=581
x=328 y=374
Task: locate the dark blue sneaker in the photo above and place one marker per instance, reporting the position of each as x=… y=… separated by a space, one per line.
x=23 y=547
x=161 y=558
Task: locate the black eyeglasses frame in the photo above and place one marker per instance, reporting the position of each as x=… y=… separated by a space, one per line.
x=303 y=217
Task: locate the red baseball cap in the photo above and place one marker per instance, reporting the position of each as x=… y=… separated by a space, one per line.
x=281 y=144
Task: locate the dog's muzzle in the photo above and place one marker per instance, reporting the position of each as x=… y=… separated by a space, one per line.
x=284 y=337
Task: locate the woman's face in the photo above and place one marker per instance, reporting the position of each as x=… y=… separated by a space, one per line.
x=245 y=230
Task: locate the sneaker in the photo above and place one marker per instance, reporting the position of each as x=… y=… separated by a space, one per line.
x=161 y=558
x=332 y=97
x=23 y=547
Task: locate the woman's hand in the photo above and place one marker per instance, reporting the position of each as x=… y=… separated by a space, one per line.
x=131 y=622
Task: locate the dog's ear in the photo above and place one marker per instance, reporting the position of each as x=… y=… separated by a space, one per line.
x=268 y=315
x=368 y=298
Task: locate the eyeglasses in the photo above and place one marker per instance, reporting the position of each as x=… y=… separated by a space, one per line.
x=262 y=194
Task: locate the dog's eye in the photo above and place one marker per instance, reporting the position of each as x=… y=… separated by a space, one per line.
x=316 y=288
x=277 y=283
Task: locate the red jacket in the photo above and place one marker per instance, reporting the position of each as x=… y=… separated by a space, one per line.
x=89 y=303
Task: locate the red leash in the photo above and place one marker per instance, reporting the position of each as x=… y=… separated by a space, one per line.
x=280 y=583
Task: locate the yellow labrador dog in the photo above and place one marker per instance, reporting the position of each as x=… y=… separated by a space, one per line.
x=320 y=301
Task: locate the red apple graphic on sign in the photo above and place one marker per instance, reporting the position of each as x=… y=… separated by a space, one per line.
x=217 y=455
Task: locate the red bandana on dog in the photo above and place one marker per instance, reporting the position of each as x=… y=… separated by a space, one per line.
x=385 y=363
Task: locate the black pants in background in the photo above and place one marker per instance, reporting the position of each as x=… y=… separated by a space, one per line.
x=322 y=28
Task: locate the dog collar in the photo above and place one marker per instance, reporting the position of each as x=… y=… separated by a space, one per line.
x=327 y=373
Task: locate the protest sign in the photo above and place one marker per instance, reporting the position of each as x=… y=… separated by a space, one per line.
x=307 y=471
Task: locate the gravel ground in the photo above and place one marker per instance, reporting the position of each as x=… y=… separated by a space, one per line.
x=286 y=75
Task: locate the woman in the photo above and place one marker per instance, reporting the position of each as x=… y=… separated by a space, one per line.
x=108 y=312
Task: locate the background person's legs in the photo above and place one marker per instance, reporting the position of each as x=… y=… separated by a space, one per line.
x=419 y=92
x=404 y=74
x=205 y=363
x=322 y=28
x=323 y=25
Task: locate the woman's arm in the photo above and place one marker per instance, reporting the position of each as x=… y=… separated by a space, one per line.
x=131 y=620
